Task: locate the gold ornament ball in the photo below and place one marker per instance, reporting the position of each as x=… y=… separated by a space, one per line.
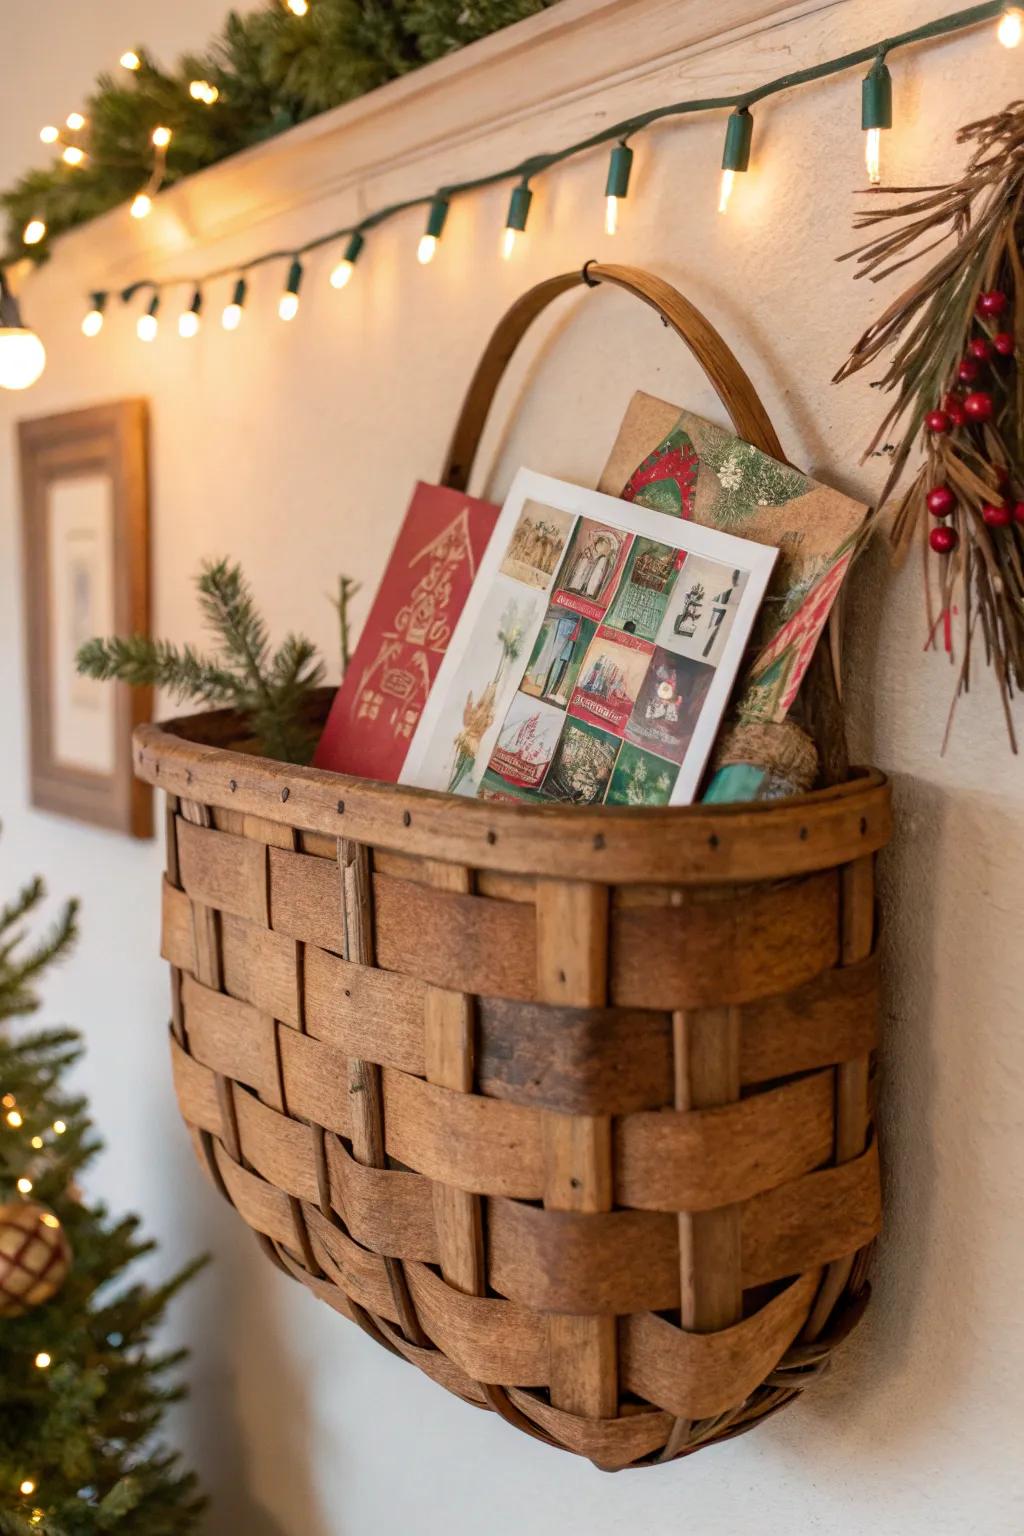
x=35 y=1256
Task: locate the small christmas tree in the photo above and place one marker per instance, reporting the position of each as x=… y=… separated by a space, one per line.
x=81 y=1393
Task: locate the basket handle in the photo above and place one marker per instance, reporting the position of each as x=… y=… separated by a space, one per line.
x=730 y=383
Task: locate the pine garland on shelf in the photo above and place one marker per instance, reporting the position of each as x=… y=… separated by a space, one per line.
x=270 y=70
x=272 y=691
x=952 y=342
x=83 y=1391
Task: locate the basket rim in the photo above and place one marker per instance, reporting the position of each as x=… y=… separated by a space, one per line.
x=197 y=757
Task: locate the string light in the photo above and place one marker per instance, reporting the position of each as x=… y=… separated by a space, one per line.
x=49 y=134
x=75 y=121
x=142 y=206
x=130 y=60
x=188 y=323
x=297 y=7
x=739 y=132
x=36 y=1143
x=24 y=1186
x=288 y=304
x=27 y=1486
x=343 y=271
x=202 y=90
x=58 y=1125
x=146 y=327
x=92 y=323
x=14 y=1119
x=72 y=154
x=617 y=186
x=49 y=1220
x=1011 y=26
x=42 y=1361
x=34 y=231
x=875 y=115
x=432 y=234
x=161 y=137
x=8 y=1101
x=518 y=213
x=231 y=318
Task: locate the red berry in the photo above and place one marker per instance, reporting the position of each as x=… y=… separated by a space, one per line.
x=992 y=303
x=978 y=406
x=1018 y=512
x=979 y=349
x=938 y=421
x=968 y=371
x=957 y=415
x=940 y=501
x=996 y=517
x=1002 y=476
x=943 y=539
x=1004 y=343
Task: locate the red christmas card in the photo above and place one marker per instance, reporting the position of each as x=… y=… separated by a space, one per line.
x=425 y=585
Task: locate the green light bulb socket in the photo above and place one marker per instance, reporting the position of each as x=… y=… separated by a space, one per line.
x=99 y=300
x=619 y=167
x=154 y=304
x=354 y=246
x=241 y=288
x=876 y=98
x=436 y=217
x=197 y=302
x=519 y=208
x=739 y=133
x=294 y=277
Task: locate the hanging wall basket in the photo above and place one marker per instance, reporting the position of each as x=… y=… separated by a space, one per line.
x=569 y=1107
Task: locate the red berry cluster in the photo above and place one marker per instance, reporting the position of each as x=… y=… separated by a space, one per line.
x=975 y=407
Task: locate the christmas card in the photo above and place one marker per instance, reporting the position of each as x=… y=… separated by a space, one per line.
x=677 y=463
x=594 y=656
x=428 y=577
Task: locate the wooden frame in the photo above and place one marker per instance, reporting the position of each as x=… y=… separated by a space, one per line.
x=85 y=478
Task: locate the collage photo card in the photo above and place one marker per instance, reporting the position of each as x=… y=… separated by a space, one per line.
x=594 y=657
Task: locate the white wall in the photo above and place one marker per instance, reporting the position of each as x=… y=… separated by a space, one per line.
x=294 y=449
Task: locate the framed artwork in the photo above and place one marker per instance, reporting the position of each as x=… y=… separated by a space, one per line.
x=594 y=657
x=85 y=531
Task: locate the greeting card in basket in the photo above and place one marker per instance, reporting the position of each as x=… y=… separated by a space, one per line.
x=433 y=565
x=594 y=656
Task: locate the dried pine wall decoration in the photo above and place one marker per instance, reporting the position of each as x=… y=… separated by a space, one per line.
x=953 y=344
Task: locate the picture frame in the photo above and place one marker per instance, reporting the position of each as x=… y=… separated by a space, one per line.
x=595 y=656
x=85 y=541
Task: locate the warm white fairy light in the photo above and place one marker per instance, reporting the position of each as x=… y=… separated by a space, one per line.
x=425 y=250
x=288 y=306
x=92 y=323
x=14 y=1119
x=72 y=154
x=202 y=90
x=1011 y=26
x=49 y=1220
x=8 y=1101
x=341 y=274
x=231 y=318
x=59 y=1127
x=725 y=190
x=188 y=325
x=75 y=121
x=873 y=155
x=297 y=7
x=27 y=1486
x=43 y=1360
x=508 y=243
x=161 y=137
x=49 y=134
x=34 y=231
x=130 y=60
x=36 y=1143
x=611 y=214
x=24 y=1186
x=142 y=205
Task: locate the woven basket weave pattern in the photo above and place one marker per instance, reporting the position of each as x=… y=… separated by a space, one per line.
x=593 y=1153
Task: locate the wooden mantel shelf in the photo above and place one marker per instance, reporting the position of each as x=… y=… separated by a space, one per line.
x=550 y=79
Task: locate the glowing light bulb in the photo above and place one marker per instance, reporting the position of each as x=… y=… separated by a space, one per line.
x=22 y=360
x=49 y=134
x=188 y=325
x=231 y=318
x=49 y=1220
x=341 y=273
x=508 y=243
x=161 y=137
x=202 y=90
x=92 y=324
x=739 y=133
x=59 y=1127
x=24 y=1186
x=14 y=1119
x=1011 y=26
x=725 y=191
x=130 y=60
x=75 y=121
x=611 y=215
x=72 y=155
x=873 y=155
x=288 y=306
x=34 y=231
x=27 y=1486
x=36 y=1143
x=142 y=205
x=515 y=222
x=8 y=1101
x=617 y=186
x=298 y=7
x=42 y=1360
x=425 y=250
x=146 y=327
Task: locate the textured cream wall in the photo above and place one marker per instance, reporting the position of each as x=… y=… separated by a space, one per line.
x=295 y=449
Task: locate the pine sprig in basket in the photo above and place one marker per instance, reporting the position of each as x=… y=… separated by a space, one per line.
x=953 y=344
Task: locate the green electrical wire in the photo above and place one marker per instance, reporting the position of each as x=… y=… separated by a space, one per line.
x=535 y=165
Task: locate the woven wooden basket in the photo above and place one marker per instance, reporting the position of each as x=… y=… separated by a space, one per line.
x=569 y=1107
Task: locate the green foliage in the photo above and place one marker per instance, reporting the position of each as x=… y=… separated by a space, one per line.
x=272 y=70
x=83 y=1429
x=271 y=691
